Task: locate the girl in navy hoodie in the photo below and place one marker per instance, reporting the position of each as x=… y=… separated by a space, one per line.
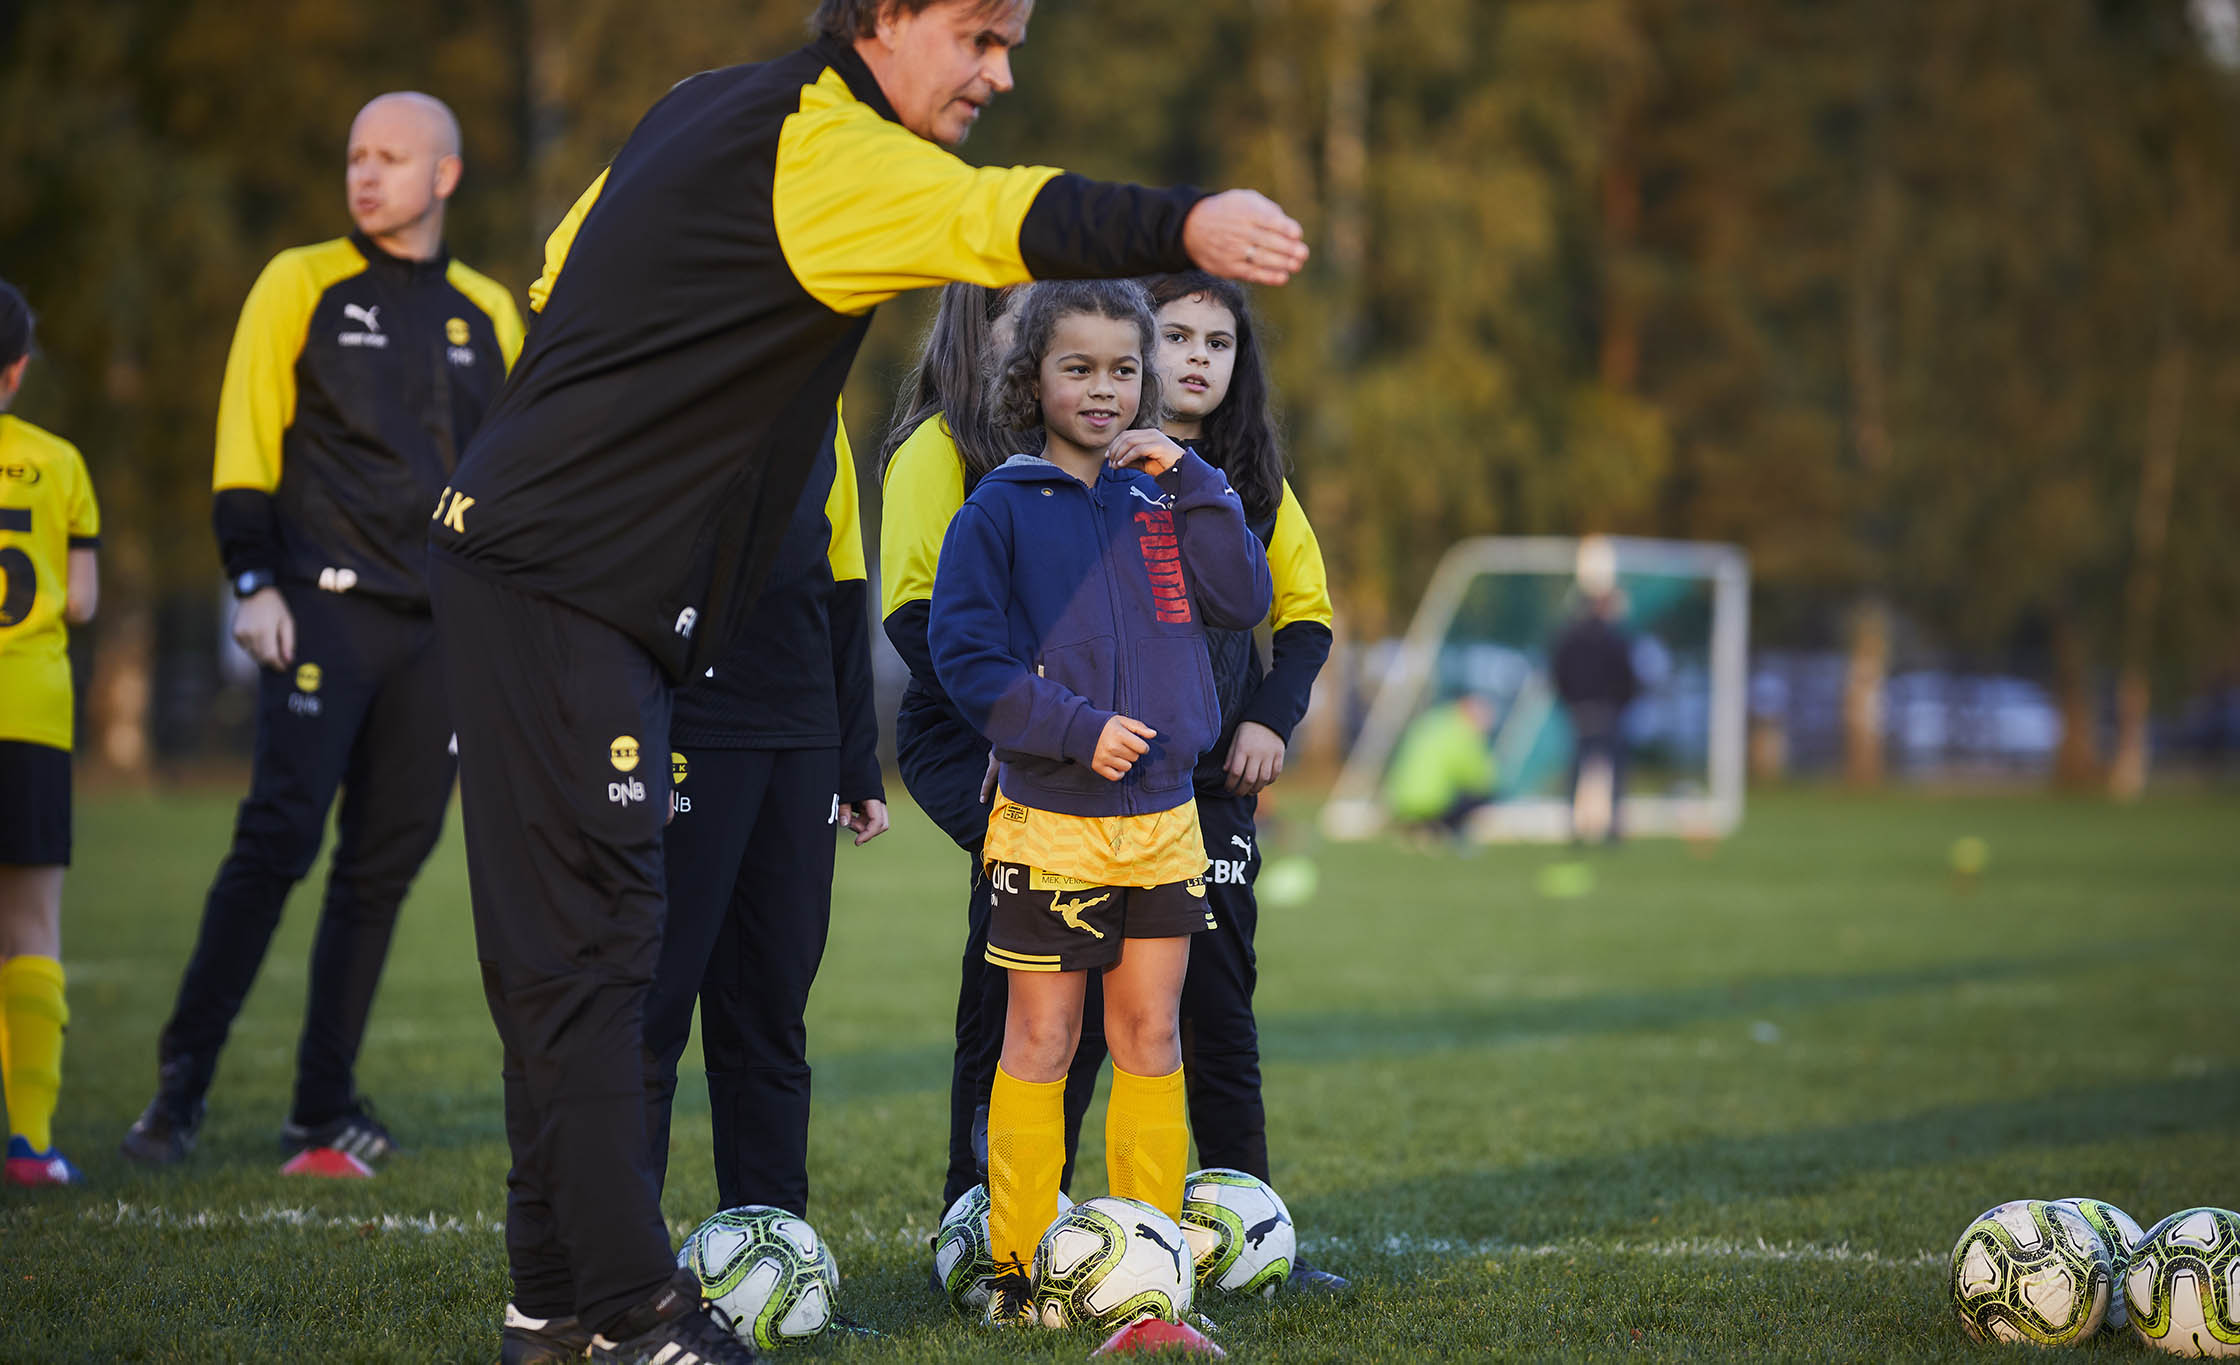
x=1069 y=624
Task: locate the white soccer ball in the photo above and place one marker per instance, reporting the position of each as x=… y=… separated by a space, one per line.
x=2029 y=1271
x=2121 y=1235
x=1109 y=1261
x=769 y=1272
x=2183 y=1284
x=1240 y=1232
x=961 y=1253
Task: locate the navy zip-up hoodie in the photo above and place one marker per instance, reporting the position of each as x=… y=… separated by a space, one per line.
x=1058 y=605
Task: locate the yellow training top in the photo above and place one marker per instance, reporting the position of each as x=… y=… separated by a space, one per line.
x=46 y=511
x=1100 y=850
x=922 y=490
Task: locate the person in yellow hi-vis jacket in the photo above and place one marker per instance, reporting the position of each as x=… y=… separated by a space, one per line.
x=359 y=371
x=699 y=310
x=49 y=526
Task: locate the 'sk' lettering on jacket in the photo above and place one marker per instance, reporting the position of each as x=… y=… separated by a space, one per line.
x=1060 y=604
x=699 y=310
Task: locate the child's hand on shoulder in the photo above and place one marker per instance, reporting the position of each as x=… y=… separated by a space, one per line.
x=1148 y=447
x=1123 y=742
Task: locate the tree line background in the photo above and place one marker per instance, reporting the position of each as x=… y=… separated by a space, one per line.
x=1932 y=307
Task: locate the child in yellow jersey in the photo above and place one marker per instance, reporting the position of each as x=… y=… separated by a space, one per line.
x=1069 y=624
x=49 y=526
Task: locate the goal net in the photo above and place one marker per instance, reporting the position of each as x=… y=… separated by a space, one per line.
x=1488 y=628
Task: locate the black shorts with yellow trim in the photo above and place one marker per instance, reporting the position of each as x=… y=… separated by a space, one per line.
x=34 y=804
x=1043 y=922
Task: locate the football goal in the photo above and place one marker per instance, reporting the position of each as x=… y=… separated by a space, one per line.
x=1488 y=629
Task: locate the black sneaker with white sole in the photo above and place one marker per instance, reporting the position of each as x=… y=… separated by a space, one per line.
x=164 y=1133
x=674 y=1327
x=1010 y=1298
x=541 y=1341
x=1309 y=1279
x=356 y=1132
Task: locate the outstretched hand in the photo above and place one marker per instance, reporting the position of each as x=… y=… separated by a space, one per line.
x=1244 y=235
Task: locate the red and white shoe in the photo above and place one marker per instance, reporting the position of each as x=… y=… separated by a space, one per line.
x=50 y=1167
x=327 y=1163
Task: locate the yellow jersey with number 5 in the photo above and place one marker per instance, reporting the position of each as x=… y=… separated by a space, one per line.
x=46 y=511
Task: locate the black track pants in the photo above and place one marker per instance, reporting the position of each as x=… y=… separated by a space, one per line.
x=362 y=710
x=749 y=860
x=564 y=783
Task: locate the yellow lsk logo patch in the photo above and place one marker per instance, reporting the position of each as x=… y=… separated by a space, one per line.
x=677 y=767
x=307 y=677
x=623 y=753
x=455 y=331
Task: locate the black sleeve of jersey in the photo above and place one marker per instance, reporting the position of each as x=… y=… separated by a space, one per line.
x=1081 y=228
x=1300 y=650
x=851 y=677
x=907 y=628
x=248 y=529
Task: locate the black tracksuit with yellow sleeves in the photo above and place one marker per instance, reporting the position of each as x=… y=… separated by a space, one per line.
x=610 y=525
x=354 y=381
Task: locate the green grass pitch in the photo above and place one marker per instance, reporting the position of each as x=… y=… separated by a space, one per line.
x=1733 y=1103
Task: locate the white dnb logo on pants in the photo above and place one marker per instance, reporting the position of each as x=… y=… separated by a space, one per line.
x=623 y=754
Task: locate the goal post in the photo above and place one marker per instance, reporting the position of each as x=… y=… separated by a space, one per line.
x=1487 y=626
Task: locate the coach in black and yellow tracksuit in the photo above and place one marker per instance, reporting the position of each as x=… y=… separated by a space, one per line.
x=617 y=513
x=775 y=750
x=360 y=368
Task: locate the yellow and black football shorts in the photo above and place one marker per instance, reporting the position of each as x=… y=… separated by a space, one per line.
x=1044 y=922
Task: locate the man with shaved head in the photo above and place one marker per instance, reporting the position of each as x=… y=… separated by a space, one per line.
x=359 y=370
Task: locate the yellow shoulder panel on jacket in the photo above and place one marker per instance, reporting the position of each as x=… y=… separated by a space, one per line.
x=923 y=488
x=257 y=405
x=564 y=236
x=866 y=209
x=494 y=299
x=1295 y=563
x=842 y=507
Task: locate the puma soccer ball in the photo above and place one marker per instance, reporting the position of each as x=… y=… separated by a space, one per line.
x=769 y=1272
x=1108 y=1261
x=1240 y=1233
x=2121 y=1235
x=2183 y=1284
x=962 y=1257
x=2028 y=1271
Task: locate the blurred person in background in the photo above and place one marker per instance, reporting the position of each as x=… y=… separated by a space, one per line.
x=1594 y=676
x=50 y=526
x=360 y=369
x=1443 y=768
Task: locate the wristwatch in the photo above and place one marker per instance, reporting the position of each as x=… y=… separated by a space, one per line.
x=254 y=581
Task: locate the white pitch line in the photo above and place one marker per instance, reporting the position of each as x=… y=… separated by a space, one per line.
x=1677 y=1248
x=124 y=1214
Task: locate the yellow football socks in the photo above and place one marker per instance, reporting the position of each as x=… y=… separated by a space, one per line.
x=1026 y=1156
x=1147 y=1139
x=31 y=1045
